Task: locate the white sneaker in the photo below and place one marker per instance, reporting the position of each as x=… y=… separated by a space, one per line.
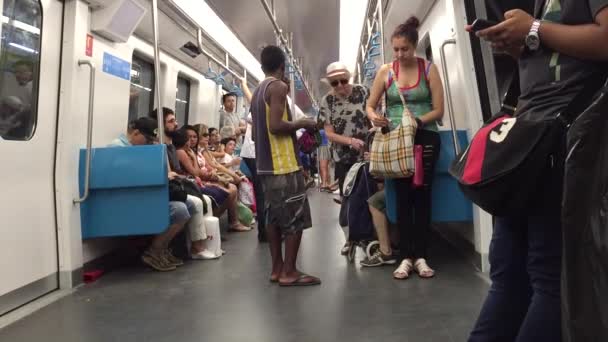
x=205 y=255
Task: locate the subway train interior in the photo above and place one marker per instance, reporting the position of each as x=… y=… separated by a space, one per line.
x=76 y=215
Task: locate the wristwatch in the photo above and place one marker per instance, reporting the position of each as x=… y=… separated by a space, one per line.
x=533 y=38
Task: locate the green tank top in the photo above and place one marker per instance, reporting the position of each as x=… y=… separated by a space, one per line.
x=418 y=97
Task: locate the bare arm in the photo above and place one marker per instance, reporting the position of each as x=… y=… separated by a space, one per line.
x=187 y=164
x=218 y=154
x=277 y=96
x=437 y=94
x=246 y=90
x=581 y=41
x=587 y=41
x=375 y=94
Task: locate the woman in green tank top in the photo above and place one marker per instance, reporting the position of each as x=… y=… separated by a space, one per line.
x=419 y=83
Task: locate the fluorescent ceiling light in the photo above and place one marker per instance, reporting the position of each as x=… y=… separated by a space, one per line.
x=21 y=25
x=24 y=48
x=352 y=19
x=141 y=87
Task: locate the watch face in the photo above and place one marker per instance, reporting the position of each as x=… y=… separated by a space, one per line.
x=533 y=42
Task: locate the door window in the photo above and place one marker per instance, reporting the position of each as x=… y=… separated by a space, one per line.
x=19 y=66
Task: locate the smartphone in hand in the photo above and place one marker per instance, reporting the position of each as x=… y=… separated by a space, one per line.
x=482 y=24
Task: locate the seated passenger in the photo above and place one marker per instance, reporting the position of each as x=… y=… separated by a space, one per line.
x=226 y=198
x=210 y=161
x=197 y=231
x=158 y=256
x=229 y=160
x=12 y=118
x=215 y=148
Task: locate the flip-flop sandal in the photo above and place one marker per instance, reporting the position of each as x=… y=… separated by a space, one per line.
x=298 y=281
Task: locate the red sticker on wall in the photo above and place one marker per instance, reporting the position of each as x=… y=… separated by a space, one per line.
x=89 y=49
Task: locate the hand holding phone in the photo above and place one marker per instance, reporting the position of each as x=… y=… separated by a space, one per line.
x=482 y=24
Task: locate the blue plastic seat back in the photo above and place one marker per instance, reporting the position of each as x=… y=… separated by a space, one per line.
x=449 y=203
x=128 y=192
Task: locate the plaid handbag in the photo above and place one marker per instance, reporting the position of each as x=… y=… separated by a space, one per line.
x=392 y=153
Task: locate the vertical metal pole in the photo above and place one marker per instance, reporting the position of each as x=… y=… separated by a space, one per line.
x=159 y=102
x=383 y=103
x=381 y=30
x=293 y=78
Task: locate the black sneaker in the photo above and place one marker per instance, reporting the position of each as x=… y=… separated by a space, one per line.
x=378 y=259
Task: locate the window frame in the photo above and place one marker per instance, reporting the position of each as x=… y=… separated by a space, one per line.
x=141 y=58
x=35 y=91
x=188 y=97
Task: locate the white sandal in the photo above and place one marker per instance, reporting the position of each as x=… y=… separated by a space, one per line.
x=423 y=269
x=404 y=269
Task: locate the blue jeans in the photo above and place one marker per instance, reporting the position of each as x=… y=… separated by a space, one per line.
x=523 y=303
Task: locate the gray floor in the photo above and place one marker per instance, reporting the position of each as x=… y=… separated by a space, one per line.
x=231 y=299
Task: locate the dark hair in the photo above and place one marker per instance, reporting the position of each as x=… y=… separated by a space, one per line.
x=180 y=139
x=408 y=30
x=166 y=112
x=187 y=128
x=225 y=141
x=24 y=62
x=273 y=59
x=227 y=95
x=211 y=130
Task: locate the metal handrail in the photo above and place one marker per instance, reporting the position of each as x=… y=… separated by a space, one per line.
x=448 y=92
x=159 y=102
x=87 y=171
x=287 y=45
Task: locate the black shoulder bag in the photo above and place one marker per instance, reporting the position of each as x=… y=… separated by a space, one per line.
x=505 y=169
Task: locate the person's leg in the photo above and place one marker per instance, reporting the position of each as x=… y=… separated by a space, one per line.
x=156 y=255
x=381 y=227
x=196 y=228
x=431 y=143
x=324 y=172
x=232 y=202
x=543 y=320
x=293 y=217
x=509 y=296
x=402 y=189
x=276 y=252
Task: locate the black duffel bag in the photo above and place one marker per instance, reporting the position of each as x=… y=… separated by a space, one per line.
x=511 y=161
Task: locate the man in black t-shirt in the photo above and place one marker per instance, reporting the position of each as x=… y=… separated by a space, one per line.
x=560 y=48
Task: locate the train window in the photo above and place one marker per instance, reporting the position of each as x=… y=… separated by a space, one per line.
x=19 y=65
x=141 y=100
x=182 y=101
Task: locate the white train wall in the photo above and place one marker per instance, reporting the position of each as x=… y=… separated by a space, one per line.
x=110 y=119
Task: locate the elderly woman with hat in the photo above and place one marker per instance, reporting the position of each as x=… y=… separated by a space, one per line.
x=342 y=112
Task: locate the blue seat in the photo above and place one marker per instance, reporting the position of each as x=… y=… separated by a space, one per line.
x=449 y=203
x=129 y=193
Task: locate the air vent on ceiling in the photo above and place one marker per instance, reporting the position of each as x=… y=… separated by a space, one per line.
x=191 y=49
x=117 y=19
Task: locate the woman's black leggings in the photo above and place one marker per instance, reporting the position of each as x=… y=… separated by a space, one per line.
x=414 y=205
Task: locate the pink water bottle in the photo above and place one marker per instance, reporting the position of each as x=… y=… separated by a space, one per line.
x=418 y=180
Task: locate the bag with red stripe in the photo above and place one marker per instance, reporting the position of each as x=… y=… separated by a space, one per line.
x=507 y=166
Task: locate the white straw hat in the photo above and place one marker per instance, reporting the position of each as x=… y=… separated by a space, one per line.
x=337 y=69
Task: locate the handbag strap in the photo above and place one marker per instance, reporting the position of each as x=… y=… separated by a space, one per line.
x=389 y=85
x=577 y=105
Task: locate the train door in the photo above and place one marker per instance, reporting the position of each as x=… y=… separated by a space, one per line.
x=29 y=87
